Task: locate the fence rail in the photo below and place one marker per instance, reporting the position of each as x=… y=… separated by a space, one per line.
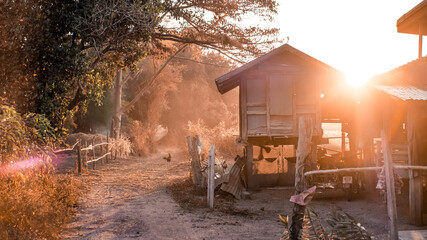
x=106 y=148
x=340 y=170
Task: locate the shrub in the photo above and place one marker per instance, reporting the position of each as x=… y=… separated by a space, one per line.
x=34 y=206
x=21 y=136
x=33 y=203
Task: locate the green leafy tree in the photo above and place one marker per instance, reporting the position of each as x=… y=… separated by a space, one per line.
x=56 y=54
x=60 y=54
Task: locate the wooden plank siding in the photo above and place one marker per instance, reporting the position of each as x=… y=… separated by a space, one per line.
x=274 y=101
x=275 y=90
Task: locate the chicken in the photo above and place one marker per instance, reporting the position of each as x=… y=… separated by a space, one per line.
x=168 y=158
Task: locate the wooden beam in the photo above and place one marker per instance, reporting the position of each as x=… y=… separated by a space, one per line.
x=420 y=41
x=244 y=116
x=255 y=104
x=389 y=175
x=256 y=112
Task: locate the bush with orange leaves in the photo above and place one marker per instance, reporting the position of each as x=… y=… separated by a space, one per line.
x=34 y=203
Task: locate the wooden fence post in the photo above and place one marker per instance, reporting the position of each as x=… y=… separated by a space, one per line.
x=79 y=159
x=86 y=164
x=111 y=149
x=115 y=148
x=196 y=174
x=108 y=145
x=93 y=153
x=211 y=176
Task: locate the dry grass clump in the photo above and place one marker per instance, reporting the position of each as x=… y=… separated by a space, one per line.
x=35 y=206
x=145 y=136
x=224 y=138
x=124 y=146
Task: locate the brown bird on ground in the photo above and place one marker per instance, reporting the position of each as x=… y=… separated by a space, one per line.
x=169 y=158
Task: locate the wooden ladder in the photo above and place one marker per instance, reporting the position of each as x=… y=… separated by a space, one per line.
x=399 y=154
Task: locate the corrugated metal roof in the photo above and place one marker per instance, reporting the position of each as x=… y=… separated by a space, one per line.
x=404 y=92
x=409 y=74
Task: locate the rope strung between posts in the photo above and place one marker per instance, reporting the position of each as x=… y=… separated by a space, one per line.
x=94 y=160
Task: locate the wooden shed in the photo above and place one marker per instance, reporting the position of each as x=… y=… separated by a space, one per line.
x=398 y=99
x=274 y=90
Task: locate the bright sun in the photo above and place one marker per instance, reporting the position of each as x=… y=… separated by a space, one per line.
x=356 y=79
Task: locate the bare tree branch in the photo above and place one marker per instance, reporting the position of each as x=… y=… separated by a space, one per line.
x=143 y=90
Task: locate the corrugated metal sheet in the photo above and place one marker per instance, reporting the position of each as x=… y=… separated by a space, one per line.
x=234 y=184
x=404 y=92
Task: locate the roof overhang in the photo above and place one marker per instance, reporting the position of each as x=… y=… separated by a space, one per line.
x=411 y=21
x=231 y=80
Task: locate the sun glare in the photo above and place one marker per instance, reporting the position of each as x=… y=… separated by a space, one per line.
x=356 y=79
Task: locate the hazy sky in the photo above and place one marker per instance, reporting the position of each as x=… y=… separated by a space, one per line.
x=358 y=38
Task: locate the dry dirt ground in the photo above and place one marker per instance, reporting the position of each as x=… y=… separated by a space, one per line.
x=149 y=198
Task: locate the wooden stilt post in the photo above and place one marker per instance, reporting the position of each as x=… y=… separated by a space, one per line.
x=415 y=183
x=211 y=176
x=305 y=132
x=389 y=175
x=249 y=165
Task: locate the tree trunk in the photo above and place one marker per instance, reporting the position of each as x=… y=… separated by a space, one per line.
x=305 y=132
x=117 y=114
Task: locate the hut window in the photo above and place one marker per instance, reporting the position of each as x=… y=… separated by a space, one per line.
x=256 y=106
x=256 y=91
x=281 y=99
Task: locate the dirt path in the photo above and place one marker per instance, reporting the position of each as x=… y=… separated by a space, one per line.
x=128 y=199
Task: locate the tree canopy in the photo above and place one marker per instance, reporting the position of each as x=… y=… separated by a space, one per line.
x=59 y=54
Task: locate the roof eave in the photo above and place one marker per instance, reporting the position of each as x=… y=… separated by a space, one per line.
x=231 y=79
x=410 y=21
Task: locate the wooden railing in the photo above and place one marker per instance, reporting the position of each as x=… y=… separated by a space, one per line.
x=88 y=155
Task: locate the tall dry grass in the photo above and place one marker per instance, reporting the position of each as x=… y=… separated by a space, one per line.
x=34 y=202
x=35 y=206
x=222 y=137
